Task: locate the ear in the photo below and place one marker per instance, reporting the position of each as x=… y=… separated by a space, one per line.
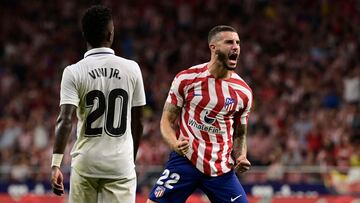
x=110 y=32
x=109 y=36
x=212 y=47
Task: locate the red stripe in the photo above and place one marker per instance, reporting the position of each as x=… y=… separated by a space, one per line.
x=186 y=82
x=237 y=116
x=245 y=99
x=173 y=99
x=195 y=143
x=217 y=109
x=192 y=70
x=205 y=136
x=239 y=82
x=182 y=85
x=192 y=80
x=229 y=126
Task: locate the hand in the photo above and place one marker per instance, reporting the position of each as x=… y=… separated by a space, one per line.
x=182 y=146
x=57 y=181
x=242 y=164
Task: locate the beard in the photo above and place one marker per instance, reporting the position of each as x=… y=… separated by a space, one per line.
x=222 y=57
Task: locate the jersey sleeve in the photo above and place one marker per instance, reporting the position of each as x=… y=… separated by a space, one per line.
x=68 y=91
x=175 y=95
x=245 y=114
x=139 y=92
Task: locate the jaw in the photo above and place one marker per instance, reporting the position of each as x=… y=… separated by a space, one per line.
x=229 y=62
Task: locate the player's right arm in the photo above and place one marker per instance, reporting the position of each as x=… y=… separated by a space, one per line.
x=168 y=129
x=62 y=132
x=69 y=100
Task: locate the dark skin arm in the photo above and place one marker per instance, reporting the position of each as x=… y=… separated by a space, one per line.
x=62 y=133
x=240 y=148
x=136 y=126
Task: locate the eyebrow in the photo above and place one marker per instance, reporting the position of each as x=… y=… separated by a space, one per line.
x=230 y=40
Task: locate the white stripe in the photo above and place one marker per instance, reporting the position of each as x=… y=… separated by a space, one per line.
x=244 y=90
x=192 y=75
x=197 y=134
x=242 y=105
x=215 y=146
x=191 y=137
x=240 y=102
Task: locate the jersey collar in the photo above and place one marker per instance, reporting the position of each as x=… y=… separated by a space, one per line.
x=96 y=51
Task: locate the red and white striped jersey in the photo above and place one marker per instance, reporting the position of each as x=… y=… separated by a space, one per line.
x=210 y=107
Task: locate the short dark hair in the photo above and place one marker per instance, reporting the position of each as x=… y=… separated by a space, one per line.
x=219 y=28
x=94 y=24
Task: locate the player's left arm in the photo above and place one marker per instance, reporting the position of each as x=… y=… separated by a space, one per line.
x=138 y=103
x=136 y=126
x=239 y=137
x=240 y=148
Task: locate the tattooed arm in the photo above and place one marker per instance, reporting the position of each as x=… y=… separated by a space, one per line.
x=168 y=129
x=240 y=148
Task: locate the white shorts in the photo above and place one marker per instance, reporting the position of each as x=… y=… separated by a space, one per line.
x=100 y=190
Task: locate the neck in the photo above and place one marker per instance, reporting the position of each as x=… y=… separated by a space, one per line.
x=107 y=45
x=218 y=70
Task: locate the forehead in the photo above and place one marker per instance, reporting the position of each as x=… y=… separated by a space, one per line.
x=228 y=35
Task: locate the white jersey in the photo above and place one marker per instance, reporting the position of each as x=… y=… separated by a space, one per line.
x=103 y=87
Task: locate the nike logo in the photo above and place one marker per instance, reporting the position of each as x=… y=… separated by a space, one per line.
x=195 y=94
x=235 y=198
x=209 y=120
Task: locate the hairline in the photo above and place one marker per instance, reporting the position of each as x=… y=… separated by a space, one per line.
x=212 y=39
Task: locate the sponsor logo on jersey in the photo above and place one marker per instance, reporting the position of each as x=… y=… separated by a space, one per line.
x=203 y=127
x=159 y=191
x=229 y=103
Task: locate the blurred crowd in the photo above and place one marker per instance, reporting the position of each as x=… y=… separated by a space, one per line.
x=301 y=59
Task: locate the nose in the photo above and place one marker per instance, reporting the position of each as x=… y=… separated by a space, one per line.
x=235 y=47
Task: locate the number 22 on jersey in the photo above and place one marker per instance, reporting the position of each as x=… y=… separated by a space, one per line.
x=169 y=178
x=112 y=106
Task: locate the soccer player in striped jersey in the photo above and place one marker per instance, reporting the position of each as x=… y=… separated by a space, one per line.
x=107 y=93
x=212 y=103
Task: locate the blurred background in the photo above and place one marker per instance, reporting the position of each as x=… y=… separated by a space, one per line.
x=300 y=57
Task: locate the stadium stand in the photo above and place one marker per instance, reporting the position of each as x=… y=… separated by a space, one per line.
x=301 y=59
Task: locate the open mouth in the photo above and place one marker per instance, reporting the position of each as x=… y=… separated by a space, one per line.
x=233 y=58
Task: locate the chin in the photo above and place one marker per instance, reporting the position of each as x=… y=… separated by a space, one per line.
x=230 y=67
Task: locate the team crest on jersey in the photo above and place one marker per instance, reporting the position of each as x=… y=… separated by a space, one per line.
x=229 y=103
x=159 y=191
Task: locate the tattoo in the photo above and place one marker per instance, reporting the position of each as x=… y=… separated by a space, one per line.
x=174 y=111
x=239 y=140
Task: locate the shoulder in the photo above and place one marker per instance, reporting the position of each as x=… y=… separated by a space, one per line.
x=75 y=66
x=70 y=69
x=127 y=64
x=192 y=72
x=126 y=61
x=237 y=80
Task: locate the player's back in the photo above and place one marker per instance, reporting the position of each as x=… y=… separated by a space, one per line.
x=107 y=88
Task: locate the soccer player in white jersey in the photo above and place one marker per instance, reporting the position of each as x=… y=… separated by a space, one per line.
x=212 y=103
x=107 y=93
